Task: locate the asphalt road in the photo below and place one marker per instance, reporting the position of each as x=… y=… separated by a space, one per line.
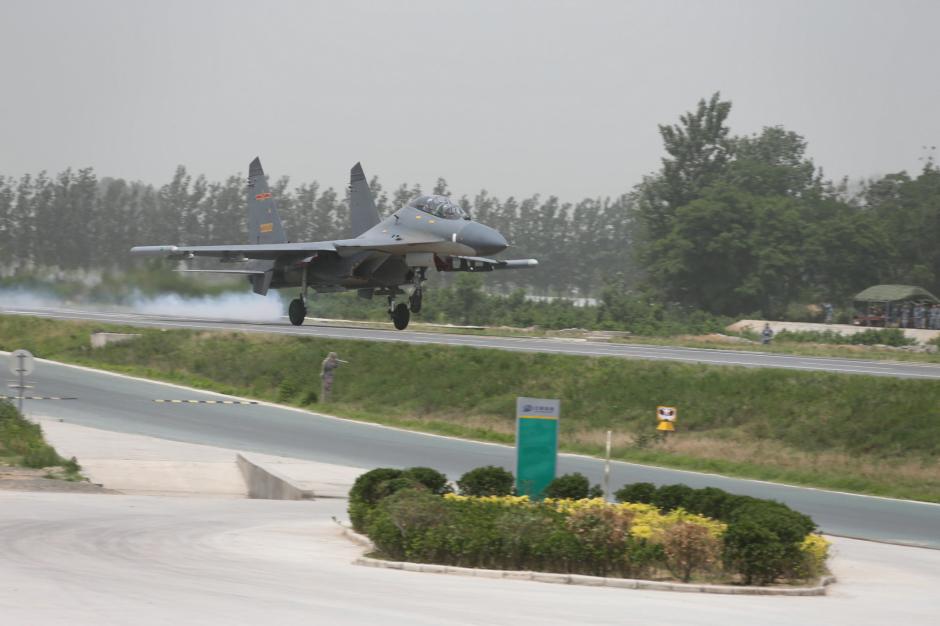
x=87 y=559
x=124 y=404
x=925 y=371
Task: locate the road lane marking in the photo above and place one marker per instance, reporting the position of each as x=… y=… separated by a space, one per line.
x=162 y=401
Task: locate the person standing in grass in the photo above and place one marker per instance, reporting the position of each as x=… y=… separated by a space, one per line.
x=327 y=369
x=767 y=334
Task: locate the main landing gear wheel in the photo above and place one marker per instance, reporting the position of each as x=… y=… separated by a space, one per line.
x=297 y=311
x=415 y=301
x=401 y=316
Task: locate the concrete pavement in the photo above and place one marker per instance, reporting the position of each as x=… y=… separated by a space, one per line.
x=163 y=561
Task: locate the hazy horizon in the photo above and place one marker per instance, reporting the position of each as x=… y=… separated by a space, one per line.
x=557 y=98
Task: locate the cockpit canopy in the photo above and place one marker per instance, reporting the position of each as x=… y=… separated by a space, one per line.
x=440 y=206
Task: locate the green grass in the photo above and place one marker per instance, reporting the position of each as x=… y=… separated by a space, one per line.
x=859 y=433
x=22 y=444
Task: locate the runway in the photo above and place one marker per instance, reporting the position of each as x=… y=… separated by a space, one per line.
x=923 y=371
x=123 y=404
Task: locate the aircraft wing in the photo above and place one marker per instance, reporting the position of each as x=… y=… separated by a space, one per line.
x=343 y=247
x=247 y=251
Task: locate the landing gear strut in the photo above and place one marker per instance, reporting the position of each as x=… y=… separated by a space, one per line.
x=414 y=300
x=297 y=310
x=399 y=313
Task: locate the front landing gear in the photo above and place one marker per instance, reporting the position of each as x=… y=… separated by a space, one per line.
x=297 y=311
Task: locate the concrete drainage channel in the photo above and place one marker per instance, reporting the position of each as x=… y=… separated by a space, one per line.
x=143 y=465
x=267 y=484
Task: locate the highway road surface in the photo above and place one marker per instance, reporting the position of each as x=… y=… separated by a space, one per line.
x=119 y=403
x=924 y=371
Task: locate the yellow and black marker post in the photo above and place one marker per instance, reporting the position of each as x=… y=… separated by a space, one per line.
x=667 y=418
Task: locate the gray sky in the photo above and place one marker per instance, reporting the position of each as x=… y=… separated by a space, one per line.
x=518 y=97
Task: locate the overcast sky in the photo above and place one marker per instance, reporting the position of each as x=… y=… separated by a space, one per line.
x=516 y=97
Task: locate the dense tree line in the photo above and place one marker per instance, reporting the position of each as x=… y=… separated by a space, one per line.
x=729 y=224
x=75 y=220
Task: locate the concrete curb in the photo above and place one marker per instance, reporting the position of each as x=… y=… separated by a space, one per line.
x=264 y=483
x=578 y=579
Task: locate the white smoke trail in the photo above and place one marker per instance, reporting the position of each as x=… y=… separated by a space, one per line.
x=18 y=297
x=241 y=307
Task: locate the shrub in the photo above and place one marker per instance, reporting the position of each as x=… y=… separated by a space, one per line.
x=815 y=550
x=641 y=493
x=366 y=492
x=486 y=481
x=392 y=486
x=688 y=548
x=383 y=532
x=571 y=486
x=754 y=552
x=365 y=489
x=710 y=502
x=524 y=532
x=669 y=497
x=763 y=540
x=41 y=455
x=603 y=533
x=435 y=481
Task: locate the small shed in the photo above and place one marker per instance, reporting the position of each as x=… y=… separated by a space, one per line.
x=881 y=305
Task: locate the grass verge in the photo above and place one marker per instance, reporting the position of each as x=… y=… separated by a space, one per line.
x=857 y=433
x=22 y=444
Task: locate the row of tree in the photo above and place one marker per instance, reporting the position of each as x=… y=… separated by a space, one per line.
x=728 y=224
x=75 y=220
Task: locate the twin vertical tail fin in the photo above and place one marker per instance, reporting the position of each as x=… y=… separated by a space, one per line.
x=362 y=212
x=264 y=224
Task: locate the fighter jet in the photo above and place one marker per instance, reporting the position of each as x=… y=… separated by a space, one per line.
x=390 y=257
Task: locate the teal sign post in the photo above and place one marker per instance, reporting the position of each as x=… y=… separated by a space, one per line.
x=536 y=444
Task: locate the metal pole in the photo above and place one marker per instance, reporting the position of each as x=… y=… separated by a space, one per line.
x=21 y=369
x=607 y=470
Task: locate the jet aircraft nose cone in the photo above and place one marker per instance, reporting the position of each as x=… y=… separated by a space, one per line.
x=483 y=239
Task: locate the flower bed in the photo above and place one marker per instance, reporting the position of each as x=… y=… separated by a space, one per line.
x=411 y=515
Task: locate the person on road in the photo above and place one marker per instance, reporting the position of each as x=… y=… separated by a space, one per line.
x=767 y=334
x=827 y=307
